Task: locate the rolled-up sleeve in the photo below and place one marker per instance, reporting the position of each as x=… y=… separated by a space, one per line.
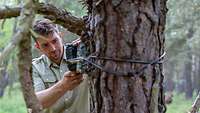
x=37 y=80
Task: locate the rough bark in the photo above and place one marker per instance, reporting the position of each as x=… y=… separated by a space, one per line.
x=59 y=16
x=25 y=58
x=130 y=30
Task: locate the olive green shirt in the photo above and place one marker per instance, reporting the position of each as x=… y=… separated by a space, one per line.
x=46 y=73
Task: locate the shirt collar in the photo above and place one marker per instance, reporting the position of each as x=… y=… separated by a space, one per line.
x=64 y=54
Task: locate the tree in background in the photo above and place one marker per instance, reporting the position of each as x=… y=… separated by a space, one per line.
x=182 y=38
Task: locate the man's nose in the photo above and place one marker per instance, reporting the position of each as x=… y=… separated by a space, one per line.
x=53 y=47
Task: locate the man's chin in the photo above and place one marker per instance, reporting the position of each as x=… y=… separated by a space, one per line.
x=55 y=58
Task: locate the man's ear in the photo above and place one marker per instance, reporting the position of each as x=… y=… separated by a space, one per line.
x=61 y=34
x=36 y=44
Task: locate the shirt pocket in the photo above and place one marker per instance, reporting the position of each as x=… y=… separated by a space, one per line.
x=49 y=79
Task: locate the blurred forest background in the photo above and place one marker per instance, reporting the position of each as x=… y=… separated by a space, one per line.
x=181 y=67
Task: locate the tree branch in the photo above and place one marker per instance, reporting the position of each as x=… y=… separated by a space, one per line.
x=196 y=105
x=58 y=16
x=7 y=50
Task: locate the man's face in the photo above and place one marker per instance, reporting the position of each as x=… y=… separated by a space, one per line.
x=51 y=46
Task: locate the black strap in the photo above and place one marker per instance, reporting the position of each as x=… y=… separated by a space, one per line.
x=119 y=73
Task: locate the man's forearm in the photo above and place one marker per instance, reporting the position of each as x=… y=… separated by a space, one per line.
x=49 y=96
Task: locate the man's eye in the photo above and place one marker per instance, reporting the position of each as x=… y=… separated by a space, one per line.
x=54 y=41
x=45 y=45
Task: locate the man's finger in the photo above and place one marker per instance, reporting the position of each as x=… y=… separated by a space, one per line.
x=77 y=81
x=70 y=73
x=74 y=77
x=77 y=77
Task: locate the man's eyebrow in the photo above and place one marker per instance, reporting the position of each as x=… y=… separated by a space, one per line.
x=36 y=35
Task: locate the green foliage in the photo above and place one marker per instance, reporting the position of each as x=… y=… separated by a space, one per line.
x=73 y=6
x=183 y=15
x=13 y=103
x=179 y=104
x=182 y=36
x=5 y=32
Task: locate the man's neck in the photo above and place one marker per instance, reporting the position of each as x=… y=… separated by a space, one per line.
x=58 y=62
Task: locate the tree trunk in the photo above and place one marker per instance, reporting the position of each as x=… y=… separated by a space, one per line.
x=196 y=105
x=169 y=84
x=198 y=77
x=188 y=67
x=187 y=75
x=181 y=83
x=3 y=79
x=127 y=29
x=25 y=58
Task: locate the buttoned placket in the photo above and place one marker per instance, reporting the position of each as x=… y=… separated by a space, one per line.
x=56 y=70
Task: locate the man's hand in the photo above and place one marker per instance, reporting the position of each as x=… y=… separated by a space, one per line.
x=71 y=80
x=49 y=96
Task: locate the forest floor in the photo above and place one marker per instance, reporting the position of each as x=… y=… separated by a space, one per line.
x=14 y=103
x=180 y=104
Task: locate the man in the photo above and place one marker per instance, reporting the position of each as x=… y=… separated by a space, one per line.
x=57 y=89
